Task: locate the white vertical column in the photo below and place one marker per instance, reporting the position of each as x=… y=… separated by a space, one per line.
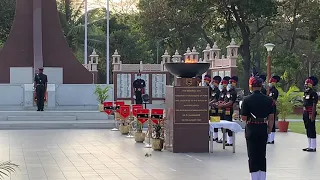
x=108 y=43
x=86 y=32
x=37 y=35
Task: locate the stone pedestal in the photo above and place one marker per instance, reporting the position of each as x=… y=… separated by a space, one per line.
x=28 y=95
x=51 y=89
x=187 y=126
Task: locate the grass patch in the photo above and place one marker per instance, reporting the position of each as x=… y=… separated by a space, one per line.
x=298 y=127
x=294 y=116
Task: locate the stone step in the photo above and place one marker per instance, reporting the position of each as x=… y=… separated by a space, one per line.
x=42 y=118
x=52 y=115
x=58 y=108
x=84 y=124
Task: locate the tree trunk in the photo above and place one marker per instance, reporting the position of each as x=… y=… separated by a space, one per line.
x=257 y=61
x=246 y=67
x=245 y=53
x=67 y=6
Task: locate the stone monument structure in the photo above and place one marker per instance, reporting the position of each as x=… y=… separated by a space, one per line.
x=222 y=65
x=36 y=40
x=155 y=76
x=92 y=66
x=187 y=109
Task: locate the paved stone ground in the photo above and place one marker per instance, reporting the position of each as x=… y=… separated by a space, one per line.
x=102 y=154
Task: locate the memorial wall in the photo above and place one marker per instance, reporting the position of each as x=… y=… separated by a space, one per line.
x=60 y=97
x=155 y=85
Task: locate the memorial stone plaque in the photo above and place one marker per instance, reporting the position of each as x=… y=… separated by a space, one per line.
x=123 y=85
x=158 y=85
x=221 y=74
x=215 y=73
x=227 y=73
x=191 y=105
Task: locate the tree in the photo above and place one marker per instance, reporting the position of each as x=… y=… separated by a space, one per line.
x=202 y=20
x=7 y=12
x=295 y=31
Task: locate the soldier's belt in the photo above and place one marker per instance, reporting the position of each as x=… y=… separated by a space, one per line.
x=213 y=110
x=256 y=122
x=308 y=108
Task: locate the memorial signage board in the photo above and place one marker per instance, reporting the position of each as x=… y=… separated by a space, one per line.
x=191 y=105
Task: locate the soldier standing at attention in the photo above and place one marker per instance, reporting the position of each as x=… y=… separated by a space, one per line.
x=310 y=100
x=207 y=80
x=258 y=113
x=214 y=99
x=139 y=89
x=273 y=93
x=229 y=100
x=40 y=85
x=221 y=100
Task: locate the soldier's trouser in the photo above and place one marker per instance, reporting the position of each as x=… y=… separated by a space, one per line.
x=138 y=95
x=40 y=90
x=273 y=131
x=256 y=138
x=274 y=124
x=275 y=119
x=215 y=114
x=228 y=118
x=309 y=125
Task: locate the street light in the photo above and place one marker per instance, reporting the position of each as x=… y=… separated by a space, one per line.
x=86 y=32
x=108 y=44
x=269 y=47
x=309 y=63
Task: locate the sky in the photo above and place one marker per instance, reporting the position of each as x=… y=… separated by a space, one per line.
x=115 y=5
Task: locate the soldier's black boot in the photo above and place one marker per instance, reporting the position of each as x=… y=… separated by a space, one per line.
x=305 y=149
x=311 y=150
x=221 y=141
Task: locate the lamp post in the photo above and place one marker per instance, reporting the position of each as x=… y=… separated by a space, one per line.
x=309 y=63
x=107 y=46
x=269 y=47
x=86 y=32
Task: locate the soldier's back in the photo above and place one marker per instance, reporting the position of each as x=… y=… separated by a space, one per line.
x=258 y=104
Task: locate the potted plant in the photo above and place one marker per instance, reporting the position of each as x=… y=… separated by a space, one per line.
x=139 y=136
x=157 y=141
x=102 y=95
x=124 y=127
x=285 y=105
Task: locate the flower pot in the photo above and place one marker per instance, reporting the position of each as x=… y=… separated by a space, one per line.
x=157 y=144
x=124 y=129
x=139 y=137
x=283 y=126
x=101 y=108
